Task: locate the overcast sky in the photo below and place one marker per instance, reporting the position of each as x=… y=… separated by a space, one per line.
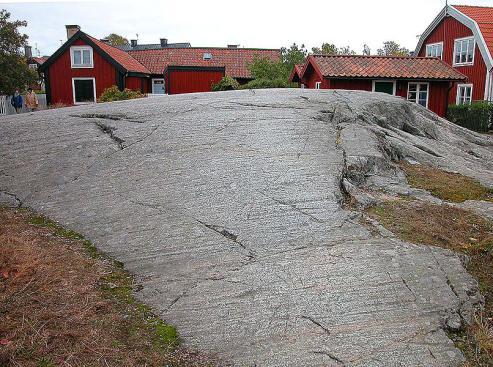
x=250 y=23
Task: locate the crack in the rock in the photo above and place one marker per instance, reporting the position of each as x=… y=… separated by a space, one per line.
x=105 y=116
x=109 y=130
x=229 y=235
x=331 y=356
x=14 y=196
x=409 y=288
x=183 y=294
x=281 y=202
x=427 y=150
x=311 y=319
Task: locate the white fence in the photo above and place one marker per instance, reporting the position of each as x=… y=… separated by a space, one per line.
x=7 y=109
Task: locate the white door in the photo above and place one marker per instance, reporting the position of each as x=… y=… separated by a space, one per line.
x=157 y=86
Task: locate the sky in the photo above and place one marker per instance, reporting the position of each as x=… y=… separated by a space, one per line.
x=250 y=23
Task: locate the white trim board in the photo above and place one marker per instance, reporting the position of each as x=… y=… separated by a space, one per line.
x=417 y=92
x=434 y=44
x=73 y=89
x=394 y=89
x=467 y=63
x=81 y=48
x=458 y=89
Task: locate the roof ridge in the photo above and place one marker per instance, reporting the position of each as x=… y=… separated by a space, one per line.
x=378 y=56
x=474 y=6
x=210 y=48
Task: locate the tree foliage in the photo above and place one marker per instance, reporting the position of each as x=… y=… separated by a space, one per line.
x=292 y=55
x=14 y=72
x=392 y=48
x=112 y=94
x=117 y=40
x=226 y=83
x=331 y=49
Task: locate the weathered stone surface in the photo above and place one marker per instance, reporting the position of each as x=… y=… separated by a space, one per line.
x=228 y=207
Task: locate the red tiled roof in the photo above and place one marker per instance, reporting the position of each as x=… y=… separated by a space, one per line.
x=235 y=60
x=351 y=66
x=121 y=57
x=483 y=16
x=40 y=60
x=297 y=72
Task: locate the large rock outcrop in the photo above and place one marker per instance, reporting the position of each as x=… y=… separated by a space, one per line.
x=229 y=208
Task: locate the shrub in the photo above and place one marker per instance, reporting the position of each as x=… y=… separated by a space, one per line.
x=477 y=116
x=226 y=83
x=114 y=94
x=262 y=83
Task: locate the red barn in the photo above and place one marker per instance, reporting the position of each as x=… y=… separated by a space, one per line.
x=83 y=67
x=426 y=81
x=462 y=36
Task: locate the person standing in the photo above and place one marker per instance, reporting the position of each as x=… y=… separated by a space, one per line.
x=31 y=100
x=16 y=101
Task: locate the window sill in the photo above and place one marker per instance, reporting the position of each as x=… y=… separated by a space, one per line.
x=464 y=64
x=82 y=67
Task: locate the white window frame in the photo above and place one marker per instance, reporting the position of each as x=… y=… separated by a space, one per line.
x=417 y=92
x=81 y=49
x=152 y=85
x=318 y=85
x=473 y=51
x=394 y=82
x=459 y=86
x=434 y=45
x=73 y=90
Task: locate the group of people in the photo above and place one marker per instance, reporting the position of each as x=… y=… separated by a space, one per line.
x=17 y=101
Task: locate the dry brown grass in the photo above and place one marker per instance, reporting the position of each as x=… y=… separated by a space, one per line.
x=459 y=230
x=445 y=185
x=62 y=305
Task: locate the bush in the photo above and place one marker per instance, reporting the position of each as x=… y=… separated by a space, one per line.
x=114 y=94
x=262 y=83
x=477 y=116
x=226 y=83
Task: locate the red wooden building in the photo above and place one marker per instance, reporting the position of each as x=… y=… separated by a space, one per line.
x=80 y=70
x=462 y=36
x=426 y=81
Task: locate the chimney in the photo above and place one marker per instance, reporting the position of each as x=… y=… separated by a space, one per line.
x=164 y=42
x=28 y=52
x=133 y=43
x=71 y=30
x=105 y=40
x=232 y=46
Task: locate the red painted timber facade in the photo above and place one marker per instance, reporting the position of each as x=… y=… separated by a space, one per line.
x=192 y=79
x=61 y=74
x=447 y=31
x=457 y=22
x=137 y=83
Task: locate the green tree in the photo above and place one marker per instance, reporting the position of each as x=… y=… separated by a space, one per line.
x=331 y=49
x=392 y=48
x=346 y=50
x=117 y=40
x=326 y=49
x=292 y=55
x=14 y=72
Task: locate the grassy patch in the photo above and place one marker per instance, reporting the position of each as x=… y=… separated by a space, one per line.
x=447 y=186
x=459 y=230
x=64 y=303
